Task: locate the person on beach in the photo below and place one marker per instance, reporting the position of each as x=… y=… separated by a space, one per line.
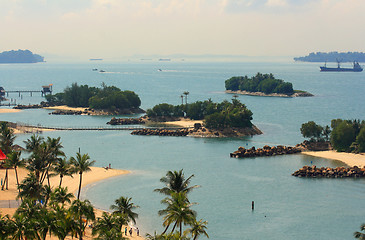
x=137 y=232
x=130 y=231
x=125 y=231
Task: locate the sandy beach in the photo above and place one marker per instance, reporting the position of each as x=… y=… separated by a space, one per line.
x=349 y=159
x=183 y=122
x=96 y=174
x=9 y=110
x=64 y=107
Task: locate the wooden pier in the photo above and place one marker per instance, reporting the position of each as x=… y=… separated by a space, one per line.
x=45 y=89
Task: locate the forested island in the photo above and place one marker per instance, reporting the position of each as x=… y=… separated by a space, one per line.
x=20 y=56
x=263 y=85
x=333 y=57
x=219 y=119
x=109 y=99
x=342 y=136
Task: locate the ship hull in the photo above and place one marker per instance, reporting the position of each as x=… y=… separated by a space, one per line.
x=326 y=69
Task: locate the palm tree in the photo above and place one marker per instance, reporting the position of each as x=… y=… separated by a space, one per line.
x=31 y=188
x=82 y=212
x=6 y=227
x=33 y=143
x=61 y=195
x=54 y=145
x=14 y=161
x=7 y=138
x=186 y=93
x=175 y=182
x=198 y=228
x=360 y=235
x=63 y=168
x=107 y=227
x=38 y=161
x=64 y=222
x=123 y=205
x=178 y=211
x=81 y=164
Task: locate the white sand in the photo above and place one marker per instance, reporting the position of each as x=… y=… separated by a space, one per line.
x=349 y=159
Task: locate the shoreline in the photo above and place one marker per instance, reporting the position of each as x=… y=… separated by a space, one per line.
x=261 y=94
x=350 y=159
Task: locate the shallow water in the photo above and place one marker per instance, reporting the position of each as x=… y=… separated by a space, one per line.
x=285 y=207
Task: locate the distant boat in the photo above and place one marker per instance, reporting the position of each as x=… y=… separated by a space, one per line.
x=95 y=69
x=95 y=59
x=356 y=68
x=160 y=70
x=101 y=71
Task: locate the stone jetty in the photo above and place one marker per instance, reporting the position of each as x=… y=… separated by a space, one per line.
x=126 y=121
x=69 y=112
x=161 y=132
x=326 y=172
x=265 y=151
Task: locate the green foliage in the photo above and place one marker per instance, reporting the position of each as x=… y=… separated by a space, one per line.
x=344 y=134
x=215 y=115
x=265 y=83
x=360 y=140
x=311 y=130
x=107 y=97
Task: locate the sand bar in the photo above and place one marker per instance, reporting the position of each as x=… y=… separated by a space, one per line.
x=64 y=107
x=349 y=159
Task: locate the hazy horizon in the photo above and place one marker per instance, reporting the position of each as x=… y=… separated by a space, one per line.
x=117 y=29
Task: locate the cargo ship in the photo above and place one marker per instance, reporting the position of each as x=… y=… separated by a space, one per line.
x=356 y=68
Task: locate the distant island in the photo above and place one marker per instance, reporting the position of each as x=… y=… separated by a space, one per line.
x=20 y=56
x=333 y=57
x=263 y=85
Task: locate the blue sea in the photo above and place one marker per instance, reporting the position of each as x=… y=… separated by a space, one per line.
x=285 y=207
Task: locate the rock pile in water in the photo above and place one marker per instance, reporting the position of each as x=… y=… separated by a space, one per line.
x=265 y=151
x=161 y=132
x=338 y=172
x=69 y=112
x=126 y=121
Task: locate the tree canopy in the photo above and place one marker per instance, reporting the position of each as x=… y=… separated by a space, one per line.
x=106 y=97
x=265 y=83
x=215 y=115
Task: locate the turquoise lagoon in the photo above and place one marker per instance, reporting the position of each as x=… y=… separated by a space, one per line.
x=285 y=207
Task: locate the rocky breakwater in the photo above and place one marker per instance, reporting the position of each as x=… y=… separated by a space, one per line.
x=161 y=132
x=265 y=151
x=69 y=112
x=326 y=172
x=126 y=121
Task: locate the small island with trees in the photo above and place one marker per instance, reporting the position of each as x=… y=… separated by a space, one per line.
x=263 y=85
x=107 y=100
x=225 y=119
x=332 y=57
x=20 y=56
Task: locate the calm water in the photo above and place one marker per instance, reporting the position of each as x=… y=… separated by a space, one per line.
x=285 y=207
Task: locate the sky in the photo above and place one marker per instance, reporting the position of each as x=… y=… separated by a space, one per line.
x=121 y=28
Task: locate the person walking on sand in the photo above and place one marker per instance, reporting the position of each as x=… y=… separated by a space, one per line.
x=130 y=231
x=125 y=231
x=137 y=232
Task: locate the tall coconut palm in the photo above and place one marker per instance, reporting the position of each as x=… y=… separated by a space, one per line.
x=177 y=211
x=14 y=161
x=38 y=161
x=198 y=228
x=63 y=168
x=54 y=146
x=83 y=212
x=81 y=164
x=7 y=138
x=6 y=227
x=123 y=205
x=175 y=182
x=186 y=93
x=64 y=222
